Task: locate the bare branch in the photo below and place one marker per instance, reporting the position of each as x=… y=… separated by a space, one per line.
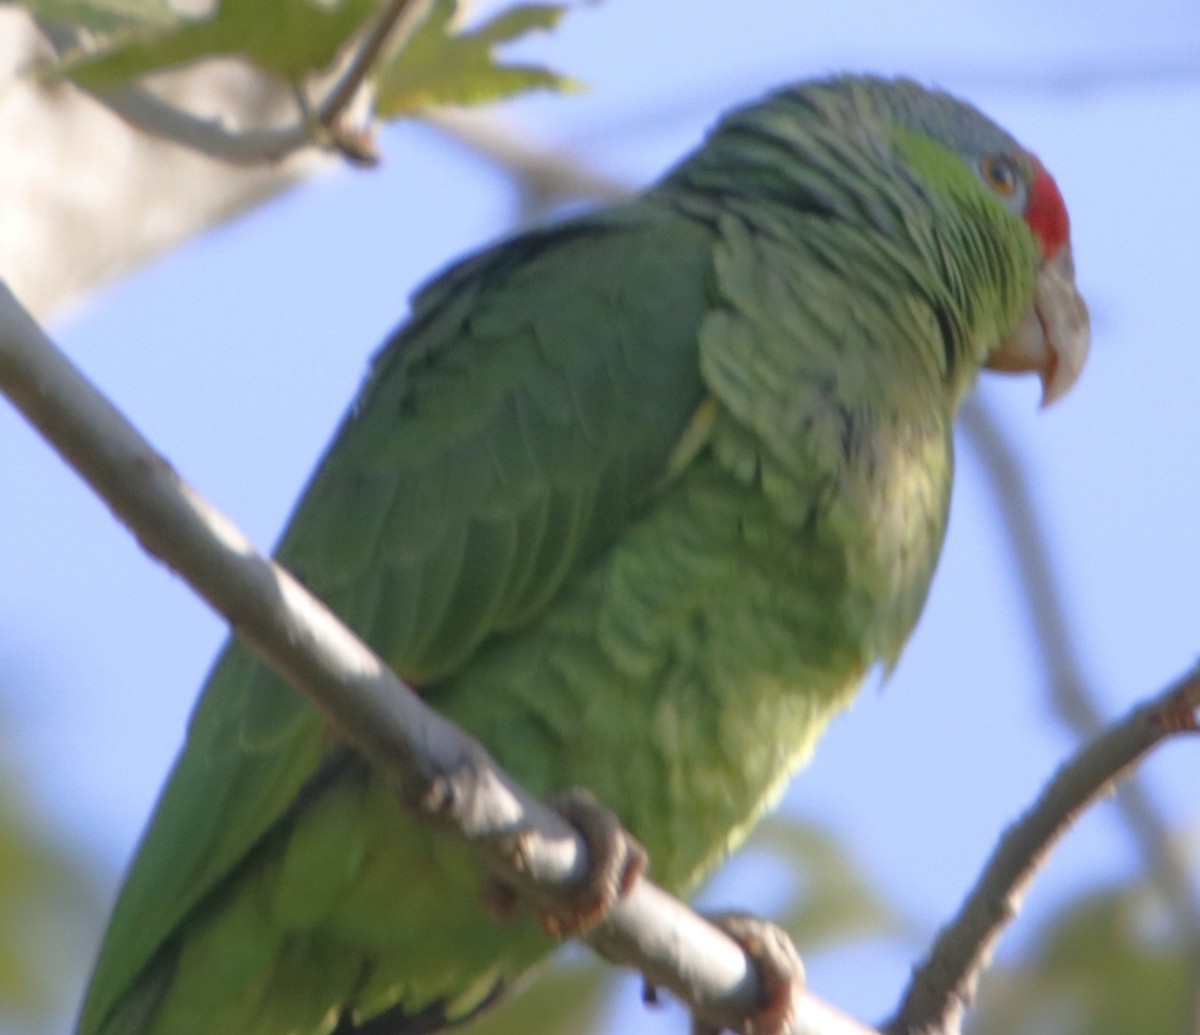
x=1069 y=695
x=543 y=176
x=1048 y=623
x=87 y=198
x=944 y=986
x=145 y=111
x=158 y=118
x=397 y=20
x=440 y=772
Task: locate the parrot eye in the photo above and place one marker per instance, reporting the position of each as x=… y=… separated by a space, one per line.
x=1000 y=173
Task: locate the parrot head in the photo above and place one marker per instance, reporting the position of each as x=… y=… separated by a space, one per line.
x=818 y=146
x=1052 y=336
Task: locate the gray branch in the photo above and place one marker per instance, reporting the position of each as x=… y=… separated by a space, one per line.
x=1068 y=690
x=944 y=986
x=145 y=111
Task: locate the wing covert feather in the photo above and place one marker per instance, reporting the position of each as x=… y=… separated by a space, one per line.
x=503 y=437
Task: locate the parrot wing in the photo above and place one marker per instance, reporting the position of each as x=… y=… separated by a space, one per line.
x=504 y=436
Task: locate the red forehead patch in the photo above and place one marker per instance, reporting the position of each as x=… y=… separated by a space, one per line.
x=1045 y=213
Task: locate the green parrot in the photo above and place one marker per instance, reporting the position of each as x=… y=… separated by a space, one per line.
x=636 y=499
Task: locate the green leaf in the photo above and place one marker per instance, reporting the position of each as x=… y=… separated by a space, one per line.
x=1103 y=965
x=439 y=66
x=288 y=38
x=104 y=15
x=834 y=900
x=566 y=997
x=44 y=901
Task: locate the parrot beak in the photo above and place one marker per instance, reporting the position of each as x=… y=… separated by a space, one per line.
x=1054 y=332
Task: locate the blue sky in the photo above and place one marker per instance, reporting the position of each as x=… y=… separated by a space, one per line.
x=237 y=355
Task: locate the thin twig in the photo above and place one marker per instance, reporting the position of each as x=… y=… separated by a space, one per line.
x=145 y=111
x=155 y=117
x=396 y=21
x=1072 y=702
x=544 y=176
x=1048 y=625
x=943 y=987
x=357 y=145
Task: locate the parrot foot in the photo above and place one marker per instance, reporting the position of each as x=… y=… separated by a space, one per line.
x=780 y=971
x=615 y=860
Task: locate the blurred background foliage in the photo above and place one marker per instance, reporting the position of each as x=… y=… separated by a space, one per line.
x=49 y=901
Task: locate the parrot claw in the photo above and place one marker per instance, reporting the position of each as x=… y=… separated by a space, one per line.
x=780 y=971
x=615 y=861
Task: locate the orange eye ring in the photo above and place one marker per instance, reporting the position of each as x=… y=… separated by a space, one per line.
x=1000 y=173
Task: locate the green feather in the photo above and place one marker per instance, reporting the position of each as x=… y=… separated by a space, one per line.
x=637 y=500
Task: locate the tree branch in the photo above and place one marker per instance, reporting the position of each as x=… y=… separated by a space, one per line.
x=544 y=176
x=143 y=110
x=1068 y=689
x=440 y=773
x=944 y=986
x=359 y=147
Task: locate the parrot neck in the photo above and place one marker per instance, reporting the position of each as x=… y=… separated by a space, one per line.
x=906 y=212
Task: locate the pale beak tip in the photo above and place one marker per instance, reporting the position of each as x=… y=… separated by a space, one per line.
x=1068 y=326
x=1064 y=371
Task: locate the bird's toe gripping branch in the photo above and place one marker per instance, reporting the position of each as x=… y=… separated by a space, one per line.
x=616 y=860
x=780 y=971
